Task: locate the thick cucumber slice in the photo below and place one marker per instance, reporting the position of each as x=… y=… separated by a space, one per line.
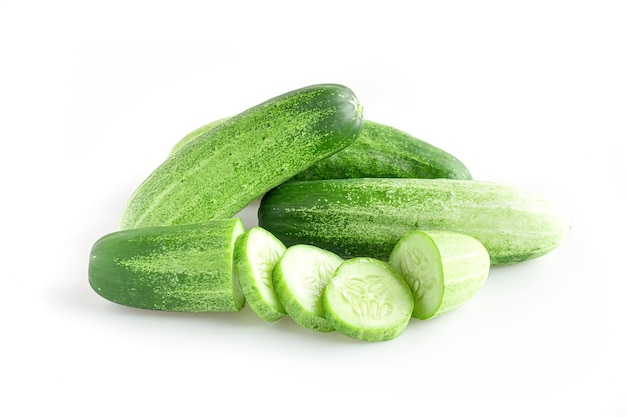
x=299 y=278
x=367 y=300
x=443 y=269
x=256 y=253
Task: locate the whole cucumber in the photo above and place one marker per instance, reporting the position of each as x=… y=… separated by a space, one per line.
x=382 y=151
x=367 y=216
x=227 y=167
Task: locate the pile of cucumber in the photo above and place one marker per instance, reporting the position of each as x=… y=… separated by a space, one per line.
x=361 y=226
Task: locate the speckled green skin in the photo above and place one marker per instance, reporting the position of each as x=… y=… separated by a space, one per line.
x=383 y=151
x=195 y=134
x=171 y=268
x=367 y=217
x=443 y=269
x=380 y=151
x=224 y=169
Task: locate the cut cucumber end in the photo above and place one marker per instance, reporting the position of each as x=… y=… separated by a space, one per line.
x=443 y=269
x=366 y=299
x=256 y=253
x=417 y=259
x=239 y=298
x=299 y=278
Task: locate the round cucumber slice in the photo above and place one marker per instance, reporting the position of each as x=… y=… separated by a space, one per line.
x=299 y=278
x=256 y=253
x=367 y=300
x=443 y=269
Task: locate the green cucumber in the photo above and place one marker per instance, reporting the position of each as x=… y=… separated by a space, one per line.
x=195 y=134
x=383 y=151
x=227 y=167
x=367 y=216
x=170 y=268
x=256 y=253
x=299 y=278
x=443 y=269
x=366 y=299
x=380 y=151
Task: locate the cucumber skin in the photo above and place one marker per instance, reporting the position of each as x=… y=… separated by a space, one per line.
x=195 y=134
x=169 y=268
x=367 y=216
x=380 y=151
x=383 y=151
x=225 y=168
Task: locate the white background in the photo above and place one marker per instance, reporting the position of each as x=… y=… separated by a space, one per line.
x=92 y=97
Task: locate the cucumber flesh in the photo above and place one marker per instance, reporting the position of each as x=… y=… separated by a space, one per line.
x=367 y=300
x=256 y=253
x=299 y=278
x=443 y=269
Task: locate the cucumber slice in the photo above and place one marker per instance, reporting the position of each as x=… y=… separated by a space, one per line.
x=367 y=300
x=443 y=269
x=256 y=253
x=299 y=278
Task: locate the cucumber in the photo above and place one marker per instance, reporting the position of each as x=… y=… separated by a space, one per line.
x=256 y=253
x=383 y=151
x=299 y=278
x=170 y=268
x=367 y=216
x=443 y=269
x=195 y=134
x=227 y=167
x=380 y=151
x=366 y=299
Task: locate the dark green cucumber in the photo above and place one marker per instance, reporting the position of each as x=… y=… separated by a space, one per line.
x=367 y=216
x=383 y=151
x=227 y=167
x=170 y=268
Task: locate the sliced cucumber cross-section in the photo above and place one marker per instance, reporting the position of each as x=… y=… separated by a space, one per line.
x=366 y=299
x=443 y=269
x=299 y=278
x=256 y=253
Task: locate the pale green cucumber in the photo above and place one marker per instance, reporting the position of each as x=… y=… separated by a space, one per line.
x=195 y=134
x=443 y=269
x=256 y=253
x=171 y=268
x=367 y=216
x=366 y=299
x=227 y=167
x=299 y=278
